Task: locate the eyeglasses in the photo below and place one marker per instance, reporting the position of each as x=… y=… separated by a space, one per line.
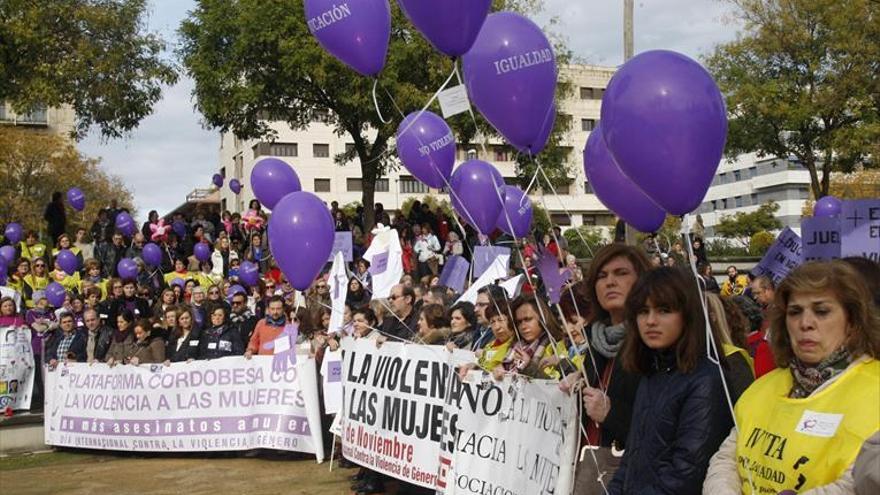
x=40 y=265
x=213 y=293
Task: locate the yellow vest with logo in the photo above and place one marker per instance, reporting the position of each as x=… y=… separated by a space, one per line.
x=801 y=444
x=493 y=354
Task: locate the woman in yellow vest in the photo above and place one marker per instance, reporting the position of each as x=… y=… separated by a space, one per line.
x=492 y=354
x=64 y=243
x=180 y=271
x=541 y=342
x=36 y=280
x=30 y=247
x=801 y=426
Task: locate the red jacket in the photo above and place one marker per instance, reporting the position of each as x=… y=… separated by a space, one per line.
x=760 y=351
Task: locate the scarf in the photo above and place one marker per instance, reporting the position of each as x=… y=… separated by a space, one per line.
x=120 y=336
x=607 y=339
x=280 y=322
x=808 y=378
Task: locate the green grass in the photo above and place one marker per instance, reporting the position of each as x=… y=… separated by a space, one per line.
x=27 y=461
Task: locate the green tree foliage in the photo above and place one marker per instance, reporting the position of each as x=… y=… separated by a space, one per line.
x=742 y=226
x=594 y=237
x=34 y=164
x=255 y=61
x=761 y=242
x=803 y=80
x=91 y=54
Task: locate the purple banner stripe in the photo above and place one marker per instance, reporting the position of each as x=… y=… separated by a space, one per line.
x=262 y=423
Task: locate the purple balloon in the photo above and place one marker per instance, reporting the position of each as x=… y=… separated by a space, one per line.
x=202 y=251
x=544 y=135
x=13 y=232
x=510 y=74
x=152 y=254
x=357 y=33
x=474 y=183
x=451 y=27
x=125 y=224
x=665 y=124
x=55 y=294
x=426 y=146
x=235 y=186
x=249 y=273
x=272 y=179
x=76 y=198
x=217 y=180
x=8 y=254
x=178 y=282
x=827 y=206
x=301 y=237
x=127 y=269
x=235 y=289
x=615 y=190
x=179 y=228
x=517 y=212
x=67 y=261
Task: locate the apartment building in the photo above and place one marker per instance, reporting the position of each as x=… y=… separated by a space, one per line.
x=54 y=120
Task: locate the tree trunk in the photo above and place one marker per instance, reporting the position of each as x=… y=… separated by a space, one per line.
x=826 y=173
x=810 y=163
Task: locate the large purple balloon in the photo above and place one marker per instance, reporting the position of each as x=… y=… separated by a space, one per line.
x=152 y=254
x=76 y=198
x=249 y=273
x=510 y=74
x=615 y=190
x=665 y=124
x=549 y=120
x=357 y=33
x=475 y=183
x=516 y=217
x=8 y=254
x=202 y=251
x=272 y=179
x=13 y=232
x=127 y=269
x=827 y=206
x=301 y=237
x=125 y=224
x=426 y=147
x=235 y=186
x=452 y=26
x=217 y=180
x=55 y=294
x=67 y=261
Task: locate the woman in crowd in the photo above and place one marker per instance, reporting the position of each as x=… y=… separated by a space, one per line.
x=433 y=325
x=147 y=348
x=92 y=271
x=219 y=339
x=163 y=327
x=183 y=344
x=364 y=323
x=181 y=271
x=801 y=426
x=17 y=279
x=64 y=243
x=463 y=323
x=680 y=414
x=122 y=345
x=167 y=300
x=9 y=315
x=356 y=295
x=500 y=317
x=215 y=296
x=739 y=367
x=540 y=344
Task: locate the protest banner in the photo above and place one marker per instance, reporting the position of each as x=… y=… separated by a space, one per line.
x=484 y=257
x=821 y=237
x=342 y=243
x=784 y=255
x=224 y=404
x=393 y=408
x=454 y=273
x=331 y=381
x=860 y=229
x=514 y=437
x=16 y=368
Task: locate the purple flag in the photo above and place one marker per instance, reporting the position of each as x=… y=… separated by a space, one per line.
x=342 y=242
x=284 y=347
x=821 y=238
x=485 y=255
x=455 y=273
x=552 y=277
x=860 y=229
x=784 y=255
x=379 y=264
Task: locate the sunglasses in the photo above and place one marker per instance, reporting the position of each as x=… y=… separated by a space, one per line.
x=40 y=265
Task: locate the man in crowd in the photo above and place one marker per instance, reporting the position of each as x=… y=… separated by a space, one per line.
x=403 y=323
x=65 y=343
x=268 y=329
x=242 y=316
x=97 y=336
x=735 y=284
x=109 y=254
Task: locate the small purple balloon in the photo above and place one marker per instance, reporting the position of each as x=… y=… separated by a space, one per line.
x=665 y=123
x=127 y=269
x=615 y=190
x=235 y=186
x=516 y=217
x=510 y=74
x=272 y=179
x=152 y=254
x=178 y=282
x=827 y=206
x=249 y=273
x=301 y=237
x=452 y=26
x=55 y=294
x=426 y=146
x=202 y=251
x=356 y=33
x=476 y=200
x=217 y=180
x=125 y=224
x=13 y=232
x=76 y=198
x=8 y=254
x=67 y=261
x=179 y=228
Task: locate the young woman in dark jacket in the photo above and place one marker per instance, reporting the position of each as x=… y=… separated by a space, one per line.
x=680 y=415
x=220 y=339
x=183 y=344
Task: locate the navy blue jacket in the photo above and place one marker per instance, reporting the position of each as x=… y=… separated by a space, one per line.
x=220 y=342
x=77 y=347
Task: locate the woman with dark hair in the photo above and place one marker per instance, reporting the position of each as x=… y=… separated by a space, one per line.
x=364 y=323
x=356 y=295
x=122 y=342
x=147 y=348
x=183 y=343
x=219 y=339
x=540 y=344
x=433 y=325
x=680 y=415
x=500 y=317
x=463 y=324
x=152 y=219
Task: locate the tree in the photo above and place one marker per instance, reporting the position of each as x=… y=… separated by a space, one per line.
x=742 y=226
x=803 y=80
x=33 y=165
x=91 y=54
x=594 y=237
x=255 y=61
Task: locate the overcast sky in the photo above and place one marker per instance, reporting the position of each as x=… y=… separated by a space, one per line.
x=170 y=154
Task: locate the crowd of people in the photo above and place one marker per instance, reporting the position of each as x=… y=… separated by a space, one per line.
x=658 y=381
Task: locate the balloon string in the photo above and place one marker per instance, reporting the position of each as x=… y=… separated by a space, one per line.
x=376 y=102
x=470 y=110
x=424 y=108
x=562 y=203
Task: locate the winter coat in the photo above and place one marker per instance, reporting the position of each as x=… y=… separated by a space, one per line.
x=188 y=348
x=151 y=350
x=222 y=341
x=119 y=351
x=77 y=347
x=678 y=422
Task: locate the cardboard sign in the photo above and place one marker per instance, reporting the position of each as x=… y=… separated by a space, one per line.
x=485 y=255
x=342 y=243
x=860 y=229
x=455 y=273
x=784 y=255
x=821 y=237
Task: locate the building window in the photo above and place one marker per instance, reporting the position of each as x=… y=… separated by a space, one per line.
x=739 y=201
x=35 y=116
x=409 y=185
x=724 y=204
x=501 y=154
x=560 y=219
x=354 y=184
x=722 y=178
x=321 y=150
x=275 y=149
x=754 y=198
x=588 y=125
x=382 y=185
x=322 y=185
x=737 y=176
x=588 y=188
x=592 y=93
x=753 y=172
x=2 y=110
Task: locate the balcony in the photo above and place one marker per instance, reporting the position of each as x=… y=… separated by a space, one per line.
x=37 y=117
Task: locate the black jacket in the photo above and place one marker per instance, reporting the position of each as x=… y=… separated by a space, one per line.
x=77 y=349
x=220 y=342
x=103 y=336
x=404 y=330
x=245 y=322
x=189 y=348
x=140 y=307
x=679 y=421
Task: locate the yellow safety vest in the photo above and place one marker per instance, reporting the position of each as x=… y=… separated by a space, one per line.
x=32 y=252
x=801 y=444
x=493 y=354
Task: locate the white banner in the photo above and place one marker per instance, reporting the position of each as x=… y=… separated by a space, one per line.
x=224 y=404
x=331 y=381
x=16 y=368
